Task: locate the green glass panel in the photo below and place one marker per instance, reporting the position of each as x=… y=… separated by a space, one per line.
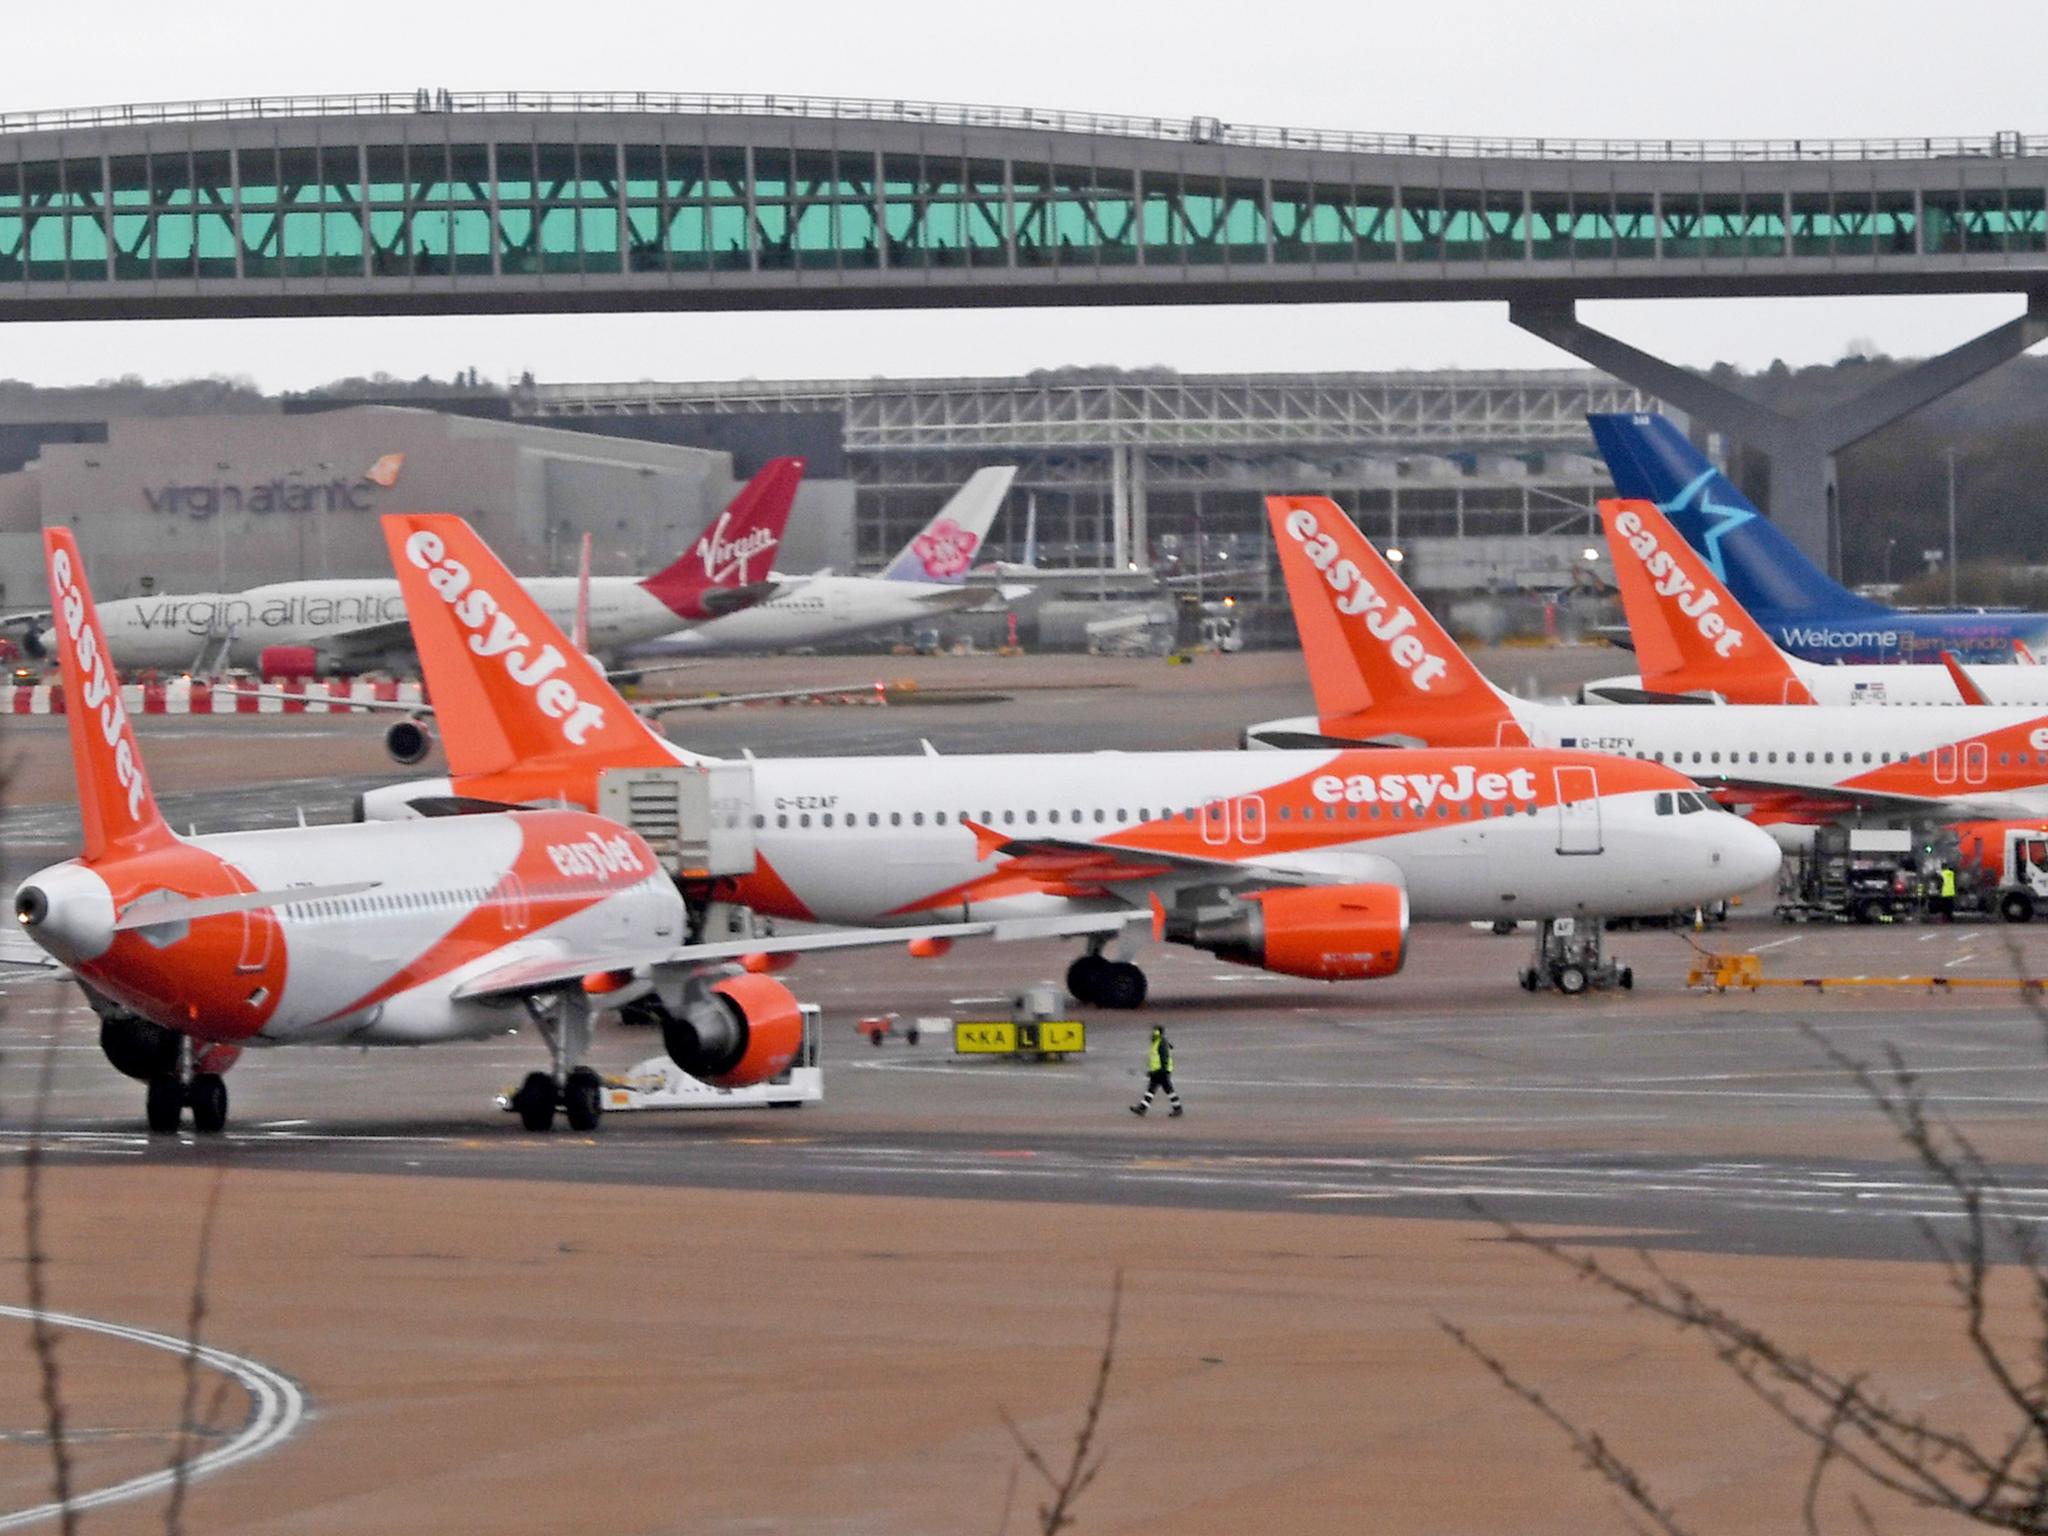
x=303 y=255
x=902 y=219
x=216 y=242
x=643 y=173
x=176 y=239
x=1031 y=214
x=515 y=172
x=643 y=237
x=341 y=176
x=1201 y=213
x=1984 y=221
x=170 y=180
x=683 y=174
x=13 y=236
x=132 y=246
x=901 y=175
x=812 y=173
x=945 y=233
x=1115 y=204
x=469 y=171
x=1464 y=229
x=1813 y=224
x=558 y=251
x=988 y=242
x=1160 y=225
x=386 y=164
x=1550 y=226
x=2026 y=219
x=771 y=175
x=341 y=234
x=516 y=252
x=855 y=176
x=257 y=169
x=426 y=172
x=730 y=239
x=1944 y=214
x=390 y=254
x=688 y=237
x=1374 y=222
x=43 y=187
x=46 y=248
x=430 y=238
x=128 y=181
x=299 y=177
x=726 y=175
x=857 y=235
x=213 y=178
x=599 y=164
x=555 y=174
x=470 y=237
x=811 y=234
x=87 y=239
x=773 y=236
x=1635 y=227
x=1422 y=225
x=1716 y=232
x=1244 y=220
x=259 y=243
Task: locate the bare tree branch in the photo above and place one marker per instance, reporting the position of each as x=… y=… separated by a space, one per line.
x=1057 y=1514
x=181 y=1454
x=42 y=1337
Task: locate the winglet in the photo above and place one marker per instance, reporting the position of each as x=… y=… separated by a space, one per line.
x=1379 y=665
x=1690 y=632
x=1965 y=686
x=116 y=810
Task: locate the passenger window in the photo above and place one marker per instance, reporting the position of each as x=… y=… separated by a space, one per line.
x=1809 y=757
x=1752 y=757
x=895 y=818
x=1287 y=813
x=1350 y=812
x=874 y=819
x=760 y=822
x=1052 y=816
x=917 y=818
x=804 y=820
x=1031 y=818
x=939 y=817
x=1121 y=815
x=1716 y=757
x=1009 y=818
x=826 y=819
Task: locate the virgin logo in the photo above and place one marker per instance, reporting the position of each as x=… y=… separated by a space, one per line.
x=97 y=693
x=1356 y=595
x=946 y=549
x=726 y=559
x=496 y=634
x=1672 y=584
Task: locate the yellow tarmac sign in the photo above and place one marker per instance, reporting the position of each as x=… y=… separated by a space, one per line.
x=1033 y=1037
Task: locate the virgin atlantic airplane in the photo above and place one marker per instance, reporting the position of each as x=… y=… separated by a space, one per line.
x=1310 y=863
x=190 y=949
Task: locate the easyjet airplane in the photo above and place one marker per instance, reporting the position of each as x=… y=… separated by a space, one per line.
x=1693 y=638
x=303 y=628
x=190 y=949
x=1311 y=864
x=1384 y=671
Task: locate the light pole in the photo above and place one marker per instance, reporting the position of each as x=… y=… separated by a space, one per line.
x=1950 y=455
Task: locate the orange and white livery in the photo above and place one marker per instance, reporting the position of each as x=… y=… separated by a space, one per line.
x=1960 y=761
x=1693 y=637
x=1310 y=863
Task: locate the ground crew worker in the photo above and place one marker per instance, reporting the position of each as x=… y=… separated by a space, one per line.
x=1159 y=1074
x=1948 y=892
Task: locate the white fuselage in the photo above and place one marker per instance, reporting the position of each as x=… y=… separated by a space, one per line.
x=814 y=610
x=886 y=840
x=172 y=633
x=1902 y=683
x=1980 y=759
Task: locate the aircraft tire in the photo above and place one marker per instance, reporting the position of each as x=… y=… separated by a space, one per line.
x=1085 y=978
x=1122 y=985
x=208 y=1093
x=1570 y=980
x=164 y=1106
x=535 y=1102
x=583 y=1100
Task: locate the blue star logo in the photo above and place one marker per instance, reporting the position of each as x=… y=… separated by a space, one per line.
x=1724 y=519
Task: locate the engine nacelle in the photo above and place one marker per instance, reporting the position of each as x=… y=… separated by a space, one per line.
x=138 y=1048
x=290 y=663
x=732 y=1033
x=409 y=742
x=1323 y=932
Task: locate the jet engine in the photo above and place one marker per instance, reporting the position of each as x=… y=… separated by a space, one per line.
x=290 y=663
x=138 y=1048
x=731 y=1033
x=409 y=741
x=1323 y=932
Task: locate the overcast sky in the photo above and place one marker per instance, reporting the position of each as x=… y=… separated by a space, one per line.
x=1591 y=68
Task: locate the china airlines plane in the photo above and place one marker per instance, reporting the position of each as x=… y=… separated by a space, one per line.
x=1383 y=670
x=1307 y=863
x=304 y=628
x=927 y=578
x=190 y=949
x=1692 y=637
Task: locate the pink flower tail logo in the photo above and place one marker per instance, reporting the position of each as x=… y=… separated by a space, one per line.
x=946 y=549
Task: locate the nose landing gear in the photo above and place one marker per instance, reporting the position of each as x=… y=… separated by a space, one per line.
x=1571 y=955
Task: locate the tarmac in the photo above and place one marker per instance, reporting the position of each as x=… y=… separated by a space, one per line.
x=815 y=1320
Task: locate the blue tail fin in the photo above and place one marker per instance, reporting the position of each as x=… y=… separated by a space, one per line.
x=1652 y=460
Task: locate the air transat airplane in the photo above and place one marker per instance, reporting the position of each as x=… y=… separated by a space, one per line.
x=927 y=578
x=190 y=949
x=303 y=628
x=1805 y=611
x=1308 y=863
x=1693 y=638
x=1383 y=670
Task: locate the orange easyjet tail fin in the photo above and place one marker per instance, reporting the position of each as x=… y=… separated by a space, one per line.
x=509 y=689
x=115 y=806
x=1380 y=666
x=1691 y=634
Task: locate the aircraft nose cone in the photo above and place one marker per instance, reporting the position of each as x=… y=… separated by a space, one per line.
x=1748 y=853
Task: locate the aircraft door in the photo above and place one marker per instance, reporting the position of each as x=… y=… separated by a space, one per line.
x=1251 y=819
x=512 y=908
x=1578 y=811
x=838 y=603
x=256 y=940
x=1945 y=763
x=1976 y=762
x=1216 y=823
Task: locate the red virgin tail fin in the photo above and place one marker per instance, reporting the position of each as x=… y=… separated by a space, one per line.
x=727 y=568
x=509 y=689
x=115 y=807
x=1380 y=666
x=1690 y=632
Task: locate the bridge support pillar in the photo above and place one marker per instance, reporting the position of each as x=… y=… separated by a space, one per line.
x=1801 y=449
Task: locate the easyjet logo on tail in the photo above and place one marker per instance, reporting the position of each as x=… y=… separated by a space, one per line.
x=385 y=471
x=726 y=558
x=1671 y=583
x=98 y=694
x=1356 y=595
x=496 y=634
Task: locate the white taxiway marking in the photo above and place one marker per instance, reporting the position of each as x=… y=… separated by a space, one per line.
x=276 y=1409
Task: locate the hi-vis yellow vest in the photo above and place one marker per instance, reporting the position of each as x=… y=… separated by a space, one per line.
x=1161 y=1057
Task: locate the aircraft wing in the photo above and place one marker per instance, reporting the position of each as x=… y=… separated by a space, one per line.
x=27 y=617
x=17 y=948
x=1849 y=797
x=370 y=640
x=1076 y=866
x=538 y=972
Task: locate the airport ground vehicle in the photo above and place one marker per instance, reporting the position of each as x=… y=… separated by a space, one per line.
x=1852 y=874
x=2004 y=867
x=1309 y=863
x=1572 y=957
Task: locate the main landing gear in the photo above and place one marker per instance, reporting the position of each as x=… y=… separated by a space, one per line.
x=202 y=1091
x=1571 y=956
x=564 y=1023
x=1105 y=983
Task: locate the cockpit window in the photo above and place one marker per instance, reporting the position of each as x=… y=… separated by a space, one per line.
x=1664 y=803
